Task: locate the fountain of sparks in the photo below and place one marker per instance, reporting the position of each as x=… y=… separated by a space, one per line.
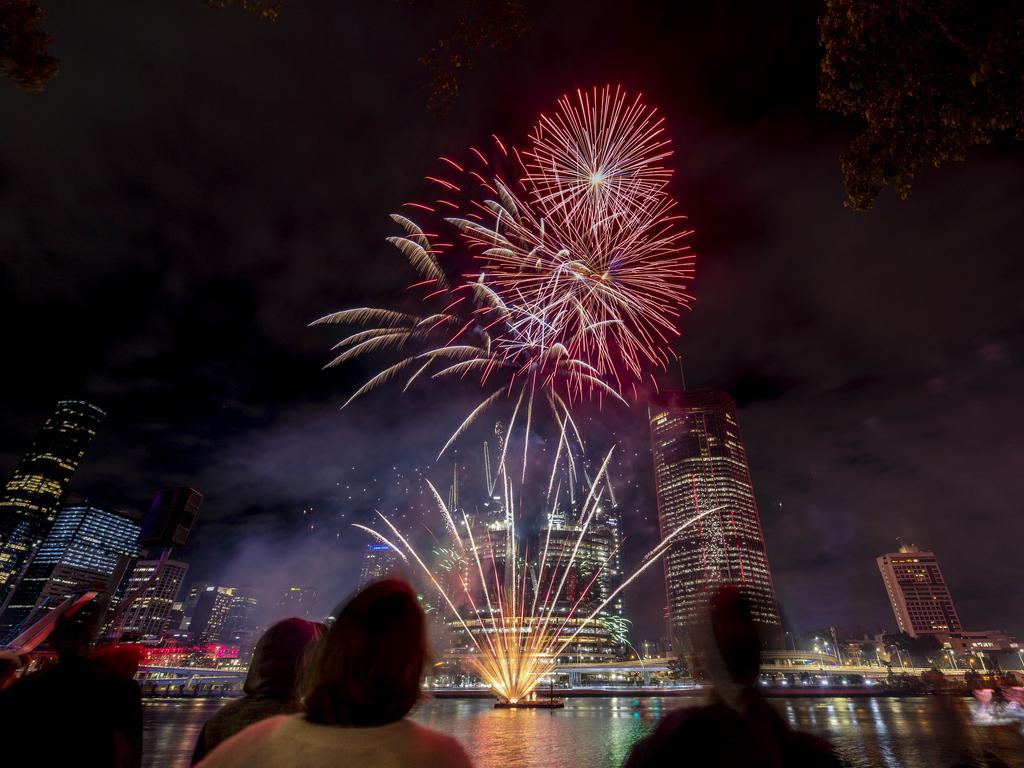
x=507 y=609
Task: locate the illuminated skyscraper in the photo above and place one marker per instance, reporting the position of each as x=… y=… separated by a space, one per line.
x=700 y=464
x=592 y=577
x=917 y=592
x=88 y=548
x=379 y=561
x=596 y=569
x=150 y=612
x=29 y=501
x=297 y=601
x=221 y=614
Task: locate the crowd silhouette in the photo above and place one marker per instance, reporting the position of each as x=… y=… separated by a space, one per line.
x=341 y=695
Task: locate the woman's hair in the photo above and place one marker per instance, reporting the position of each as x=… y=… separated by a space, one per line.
x=367 y=670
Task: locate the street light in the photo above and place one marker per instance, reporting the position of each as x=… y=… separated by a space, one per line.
x=952 y=657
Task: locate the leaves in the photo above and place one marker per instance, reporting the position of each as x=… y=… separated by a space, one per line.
x=265 y=9
x=24 y=54
x=478 y=26
x=930 y=79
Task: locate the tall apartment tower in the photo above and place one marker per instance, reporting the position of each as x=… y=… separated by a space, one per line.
x=918 y=594
x=32 y=495
x=379 y=562
x=150 y=613
x=592 y=546
x=700 y=464
x=88 y=548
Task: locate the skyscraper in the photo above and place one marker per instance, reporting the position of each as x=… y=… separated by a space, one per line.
x=379 y=561
x=150 y=611
x=220 y=614
x=296 y=601
x=88 y=548
x=595 y=571
x=591 y=578
x=917 y=592
x=700 y=464
x=29 y=501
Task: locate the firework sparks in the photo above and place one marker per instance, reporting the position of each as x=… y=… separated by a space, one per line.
x=572 y=272
x=599 y=154
x=509 y=605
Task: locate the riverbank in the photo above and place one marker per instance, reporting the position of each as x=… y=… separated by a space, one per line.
x=598 y=732
x=817 y=692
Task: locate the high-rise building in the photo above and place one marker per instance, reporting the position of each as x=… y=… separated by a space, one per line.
x=379 y=561
x=589 y=577
x=188 y=606
x=222 y=614
x=917 y=592
x=32 y=495
x=88 y=548
x=150 y=611
x=700 y=465
x=240 y=623
x=296 y=601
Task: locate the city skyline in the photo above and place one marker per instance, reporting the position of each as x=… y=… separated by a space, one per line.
x=716 y=447
x=873 y=406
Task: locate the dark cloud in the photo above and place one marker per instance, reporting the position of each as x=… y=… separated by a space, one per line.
x=195 y=187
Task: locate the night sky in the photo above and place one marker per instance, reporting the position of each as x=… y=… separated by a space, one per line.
x=197 y=185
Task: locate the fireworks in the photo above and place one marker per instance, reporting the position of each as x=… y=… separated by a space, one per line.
x=549 y=275
x=509 y=605
x=571 y=276
x=596 y=156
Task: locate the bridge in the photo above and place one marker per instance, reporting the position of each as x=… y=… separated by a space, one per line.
x=189 y=681
x=779 y=664
x=786 y=667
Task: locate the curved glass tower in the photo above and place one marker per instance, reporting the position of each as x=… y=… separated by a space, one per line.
x=700 y=464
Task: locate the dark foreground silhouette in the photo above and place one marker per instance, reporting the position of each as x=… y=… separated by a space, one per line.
x=78 y=711
x=270 y=687
x=363 y=681
x=738 y=728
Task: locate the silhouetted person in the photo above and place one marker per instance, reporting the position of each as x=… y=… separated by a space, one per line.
x=9 y=666
x=75 y=712
x=738 y=728
x=271 y=685
x=363 y=681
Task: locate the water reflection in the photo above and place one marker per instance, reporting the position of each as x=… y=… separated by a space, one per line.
x=599 y=732
x=170 y=728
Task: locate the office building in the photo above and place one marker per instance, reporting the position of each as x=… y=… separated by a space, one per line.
x=88 y=548
x=240 y=624
x=595 y=572
x=188 y=605
x=297 y=601
x=222 y=614
x=379 y=561
x=700 y=466
x=918 y=593
x=150 y=598
x=32 y=495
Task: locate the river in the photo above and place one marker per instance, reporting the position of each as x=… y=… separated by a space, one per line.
x=598 y=732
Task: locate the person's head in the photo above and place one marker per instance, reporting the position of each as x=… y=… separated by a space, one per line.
x=119 y=659
x=10 y=663
x=75 y=630
x=735 y=634
x=368 y=668
x=279 y=658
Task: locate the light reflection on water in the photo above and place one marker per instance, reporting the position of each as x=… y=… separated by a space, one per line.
x=599 y=732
